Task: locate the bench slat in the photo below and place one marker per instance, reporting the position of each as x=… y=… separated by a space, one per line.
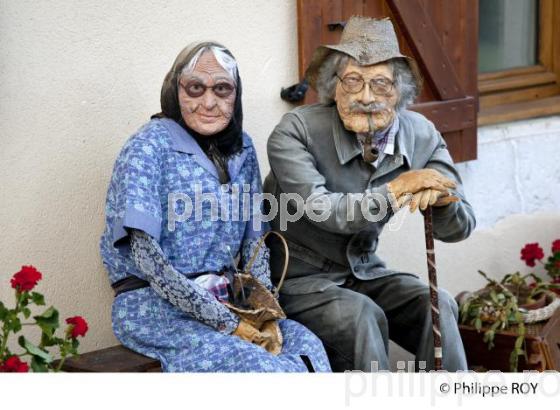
x=111 y=360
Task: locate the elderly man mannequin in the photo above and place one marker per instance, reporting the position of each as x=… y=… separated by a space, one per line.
x=351 y=158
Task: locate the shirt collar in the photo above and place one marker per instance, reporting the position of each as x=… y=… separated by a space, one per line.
x=383 y=139
x=390 y=135
x=182 y=141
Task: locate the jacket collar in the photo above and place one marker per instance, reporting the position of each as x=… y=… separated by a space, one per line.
x=182 y=141
x=346 y=143
x=348 y=146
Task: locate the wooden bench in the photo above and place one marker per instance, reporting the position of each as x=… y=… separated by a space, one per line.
x=112 y=359
x=543 y=345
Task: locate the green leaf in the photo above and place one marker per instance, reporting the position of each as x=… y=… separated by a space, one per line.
x=495 y=326
x=24 y=301
x=38 y=299
x=26 y=312
x=34 y=350
x=513 y=360
x=49 y=340
x=38 y=365
x=488 y=336
x=14 y=324
x=519 y=342
x=478 y=324
x=3 y=311
x=48 y=321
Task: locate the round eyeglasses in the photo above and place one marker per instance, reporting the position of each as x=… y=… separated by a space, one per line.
x=196 y=89
x=354 y=83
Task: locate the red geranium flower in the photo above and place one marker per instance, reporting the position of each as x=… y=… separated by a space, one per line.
x=531 y=252
x=14 y=365
x=79 y=326
x=556 y=246
x=26 y=278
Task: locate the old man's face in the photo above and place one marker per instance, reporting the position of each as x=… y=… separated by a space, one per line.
x=207 y=96
x=365 y=97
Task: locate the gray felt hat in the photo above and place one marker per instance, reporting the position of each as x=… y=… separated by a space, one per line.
x=368 y=41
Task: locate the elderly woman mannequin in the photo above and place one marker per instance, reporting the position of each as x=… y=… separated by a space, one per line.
x=167 y=275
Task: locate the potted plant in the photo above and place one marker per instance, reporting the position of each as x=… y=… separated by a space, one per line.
x=512 y=301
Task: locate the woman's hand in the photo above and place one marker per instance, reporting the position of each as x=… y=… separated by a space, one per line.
x=271 y=337
x=247 y=332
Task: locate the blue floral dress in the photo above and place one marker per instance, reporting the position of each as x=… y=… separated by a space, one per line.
x=164 y=185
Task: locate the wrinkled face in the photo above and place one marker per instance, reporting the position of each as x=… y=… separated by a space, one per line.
x=207 y=96
x=373 y=107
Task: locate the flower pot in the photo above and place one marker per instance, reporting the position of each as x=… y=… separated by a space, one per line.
x=537 y=304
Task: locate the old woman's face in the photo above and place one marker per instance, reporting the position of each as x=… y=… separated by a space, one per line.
x=207 y=96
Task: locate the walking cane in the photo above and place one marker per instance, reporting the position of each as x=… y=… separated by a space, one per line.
x=432 y=277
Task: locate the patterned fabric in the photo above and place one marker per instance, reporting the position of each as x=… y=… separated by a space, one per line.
x=261 y=267
x=160 y=160
x=181 y=292
x=148 y=324
x=216 y=284
x=176 y=320
x=383 y=140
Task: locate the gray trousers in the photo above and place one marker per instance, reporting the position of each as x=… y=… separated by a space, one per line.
x=355 y=321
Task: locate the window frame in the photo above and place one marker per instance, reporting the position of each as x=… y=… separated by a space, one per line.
x=531 y=91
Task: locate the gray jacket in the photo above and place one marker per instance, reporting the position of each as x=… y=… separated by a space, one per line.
x=313 y=155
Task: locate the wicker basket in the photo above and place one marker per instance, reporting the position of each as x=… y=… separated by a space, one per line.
x=529 y=315
x=544 y=313
x=261 y=308
x=261 y=303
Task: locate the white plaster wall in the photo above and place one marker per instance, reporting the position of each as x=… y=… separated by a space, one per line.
x=77 y=78
x=517 y=170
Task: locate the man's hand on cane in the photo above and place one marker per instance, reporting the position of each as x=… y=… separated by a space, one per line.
x=422 y=188
x=425 y=198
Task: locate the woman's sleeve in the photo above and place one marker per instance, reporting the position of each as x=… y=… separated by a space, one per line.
x=136 y=187
x=171 y=285
x=261 y=267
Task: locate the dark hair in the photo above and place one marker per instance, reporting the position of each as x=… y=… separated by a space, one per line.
x=228 y=141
